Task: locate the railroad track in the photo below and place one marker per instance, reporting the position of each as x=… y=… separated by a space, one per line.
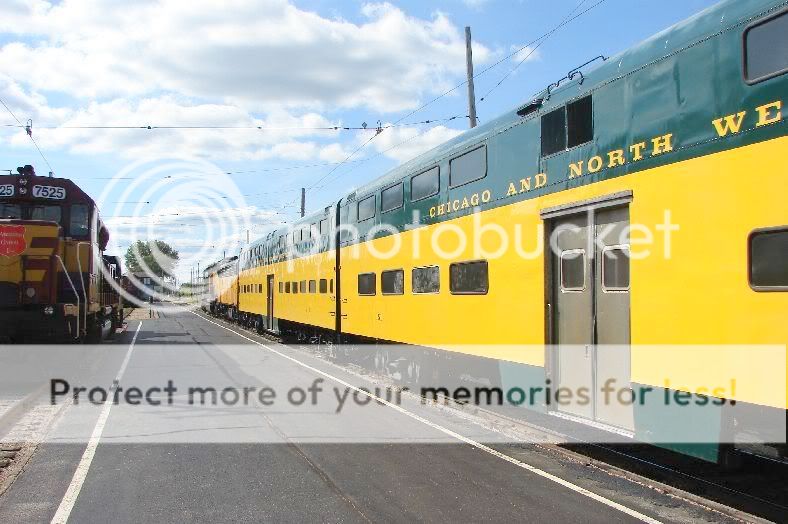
x=697 y=482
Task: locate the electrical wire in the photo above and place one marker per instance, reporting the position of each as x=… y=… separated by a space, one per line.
x=29 y=134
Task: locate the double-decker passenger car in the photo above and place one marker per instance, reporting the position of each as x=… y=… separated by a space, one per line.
x=676 y=146
x=51 y=258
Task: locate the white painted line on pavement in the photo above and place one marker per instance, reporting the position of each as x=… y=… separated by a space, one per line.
x=67 y=504
x=558 y=480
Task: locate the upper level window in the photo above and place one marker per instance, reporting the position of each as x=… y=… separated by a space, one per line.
x=392 y=282
x=425 y=184
x=469 y=278
x=391 y=198
x=766 y=48
x=79 y=225
x=554 y=131
x=568 y=126
x=324 y=226
x=366 y=208
x=468 y=167
x=769 y=260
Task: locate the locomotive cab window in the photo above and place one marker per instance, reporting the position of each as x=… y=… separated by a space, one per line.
x=48 y=213
x=468 y=167
x=554 y=131
x=766 y=49
x=366 y=284
x=392 y=282
x=366 y=208
x=79 y=223
x=425 y=184
x=469 y=278
x=573 y=270
x=769 y=259
x=10 y=211
x=391 y=198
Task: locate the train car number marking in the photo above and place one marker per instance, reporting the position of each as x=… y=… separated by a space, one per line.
x=7 y=190
x=50 y=192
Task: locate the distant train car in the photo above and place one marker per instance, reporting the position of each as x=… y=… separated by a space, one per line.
x=51 y=249
x=685 y=130
x=221 y=280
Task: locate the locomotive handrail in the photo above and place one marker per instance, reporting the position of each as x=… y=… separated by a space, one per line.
x=82 y=279
x=65 y=272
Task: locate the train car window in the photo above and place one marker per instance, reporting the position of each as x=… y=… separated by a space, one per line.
x=10 y=211
x=768 y=264
x=295 y=287
x=392 y=282
x=281 y=287
x=615 y=268
x=302 y=286
x=324 y=226
x=331 y=286
x=323 y=285
x=580 y=122
x=554 y=131
x=469 y=278
x=391 y=198
x=282 y=242
x=425 y=185
x=287 y=287
x=573 y=270
x=48 y=213
x=312 y=286
x=766 y=49
x=366 y=208
x=468 y=167
x=79 y=224
x=366 y=284
x=259 y=288
x=426 y=280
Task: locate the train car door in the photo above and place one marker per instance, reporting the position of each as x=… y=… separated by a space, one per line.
x=589 y=305
x=270 y=302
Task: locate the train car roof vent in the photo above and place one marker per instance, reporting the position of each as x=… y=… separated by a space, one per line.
x=530 y=107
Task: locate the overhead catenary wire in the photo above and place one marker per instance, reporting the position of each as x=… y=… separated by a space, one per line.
x=29 y=134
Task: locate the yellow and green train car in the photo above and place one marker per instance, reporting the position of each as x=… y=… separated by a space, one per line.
x=627 y=224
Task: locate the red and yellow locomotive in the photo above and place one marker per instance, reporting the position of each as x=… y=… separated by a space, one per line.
x=54 y=277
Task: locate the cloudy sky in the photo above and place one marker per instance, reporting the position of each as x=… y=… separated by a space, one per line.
x=256 y=83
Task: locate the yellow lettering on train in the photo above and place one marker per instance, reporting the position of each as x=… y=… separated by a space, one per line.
x=576 y=169
x=441 y=209
x=525 y=184
x=475 y=199
x=729 y=124
x=455 y=205
x=511 y=191
x=486 y=196
x=637 y=151
x=595 y=164
x=541 y=180
x=465 y=203
x=662 y=144
x=432 y=212
x=616 y=158
x=765 y=115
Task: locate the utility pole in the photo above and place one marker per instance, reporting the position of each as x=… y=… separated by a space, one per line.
x=469 y=67
x=303 y=202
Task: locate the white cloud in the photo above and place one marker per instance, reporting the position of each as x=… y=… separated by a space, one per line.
x=405 y=143
x=248 y=53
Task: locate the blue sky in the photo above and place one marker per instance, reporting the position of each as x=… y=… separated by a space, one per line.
x=284 y=66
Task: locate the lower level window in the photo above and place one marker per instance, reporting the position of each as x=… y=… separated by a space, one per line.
x=469 y=278
x=312 y=286
x=769 y=259
x=366 y=284
x=392 y=282
x=323 y=285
